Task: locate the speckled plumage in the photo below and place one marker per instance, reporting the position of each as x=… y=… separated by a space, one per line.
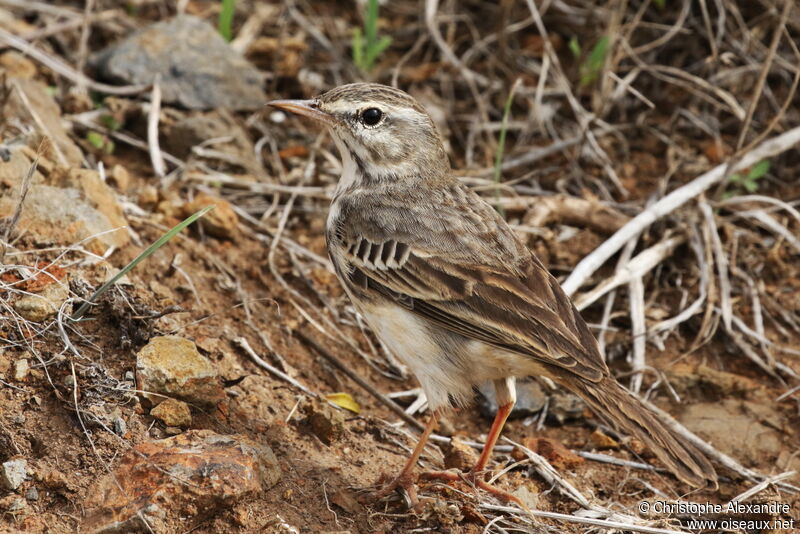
x=446 y=285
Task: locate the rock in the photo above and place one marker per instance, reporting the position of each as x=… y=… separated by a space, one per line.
x=172 y=366
x=120 y=426
x=175 y=478
x=735 y=428
x=530 y=399
x=13 y=473
x=21 y=368
x=97 y=193
x=40 y=306
x=173 y=412
x=325 y=421
x=32 y=494
x=72 y=206
x=198 y=69
x=121 y=177
x=30 y=98
x=221 y=222
x=459 y=455
x=565 y=406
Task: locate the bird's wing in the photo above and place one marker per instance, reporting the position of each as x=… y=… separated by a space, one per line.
x=464 y=270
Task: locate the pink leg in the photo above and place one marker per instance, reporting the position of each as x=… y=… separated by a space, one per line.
x=405 y=479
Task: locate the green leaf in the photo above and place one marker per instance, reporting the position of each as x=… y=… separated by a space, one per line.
x=110 y=122
x=140 y=258
x=96 y=139
x=759 y=170
x=751 y=186
x=660 y=4
x=226 y=19
x=575 y=47
x=593 y=64
x=377 y=50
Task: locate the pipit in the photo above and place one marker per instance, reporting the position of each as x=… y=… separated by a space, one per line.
x=444 y=282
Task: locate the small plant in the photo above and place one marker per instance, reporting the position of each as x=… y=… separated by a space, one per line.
x=592 y=65
x=366 y=45
x=225 y=25
x=501 y=142
x=749 y=181
x=101 y=142
x=138 y=259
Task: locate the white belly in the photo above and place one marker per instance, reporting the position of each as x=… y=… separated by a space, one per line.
x=446 y=366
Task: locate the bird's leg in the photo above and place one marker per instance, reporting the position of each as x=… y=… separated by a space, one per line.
x=405 y=479
x=506 y=396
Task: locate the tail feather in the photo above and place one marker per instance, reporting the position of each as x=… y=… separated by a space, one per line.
x=611 y=401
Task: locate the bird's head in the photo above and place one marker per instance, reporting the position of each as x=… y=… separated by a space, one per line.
x=383 y=131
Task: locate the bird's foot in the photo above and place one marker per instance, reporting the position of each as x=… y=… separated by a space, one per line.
x=474 y=478
x=382 y=489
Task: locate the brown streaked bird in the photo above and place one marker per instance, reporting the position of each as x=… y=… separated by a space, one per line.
x=445 y=284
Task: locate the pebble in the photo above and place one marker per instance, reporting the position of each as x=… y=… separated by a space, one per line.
x=120 y=426
x=324 y=421
x=172 y=366
x=221 y=222
x=21 y=368
x=459 y=455
x=32 y=494
x=13 y=473
x=173 y=413
x=43 y=305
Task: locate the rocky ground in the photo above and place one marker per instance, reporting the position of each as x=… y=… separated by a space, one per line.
x=211 y=389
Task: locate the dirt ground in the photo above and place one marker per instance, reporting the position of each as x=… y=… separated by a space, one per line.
x=229 y=278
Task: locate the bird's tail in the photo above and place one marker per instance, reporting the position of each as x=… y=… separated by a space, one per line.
x=611 y=401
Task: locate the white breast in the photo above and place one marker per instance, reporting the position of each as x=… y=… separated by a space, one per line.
x=407 y=336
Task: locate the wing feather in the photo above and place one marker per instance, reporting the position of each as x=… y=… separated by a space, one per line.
x=468 y=273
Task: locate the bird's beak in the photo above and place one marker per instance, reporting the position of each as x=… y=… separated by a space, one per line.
x=306 y=108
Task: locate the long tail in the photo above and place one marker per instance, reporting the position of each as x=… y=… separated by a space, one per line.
x=611 y=401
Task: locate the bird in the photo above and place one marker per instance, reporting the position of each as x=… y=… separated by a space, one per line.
x=447 y=286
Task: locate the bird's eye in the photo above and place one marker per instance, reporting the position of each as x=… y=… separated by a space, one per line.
x=371 y=116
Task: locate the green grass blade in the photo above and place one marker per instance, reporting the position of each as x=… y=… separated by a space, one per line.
x=226 y=19
x=501 y=142
x=593 y=65
x=358 y=49
x=141 y=257
x=371 y=23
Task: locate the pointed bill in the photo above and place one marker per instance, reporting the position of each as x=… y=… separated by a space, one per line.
x=306 y=108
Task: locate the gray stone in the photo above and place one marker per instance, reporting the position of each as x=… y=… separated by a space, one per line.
x=32 y=494
x=198 y=69
x=13 y=473
x=530 y=399
x=120 y=426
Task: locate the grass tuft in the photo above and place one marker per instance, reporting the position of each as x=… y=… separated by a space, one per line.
x=163 y=240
